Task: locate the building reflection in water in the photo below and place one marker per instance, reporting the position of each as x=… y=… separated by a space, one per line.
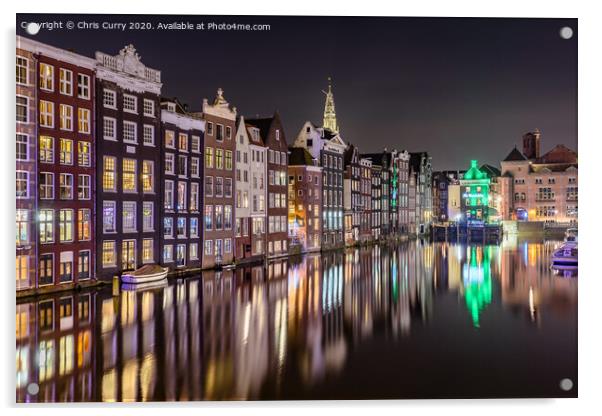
x=251 y=332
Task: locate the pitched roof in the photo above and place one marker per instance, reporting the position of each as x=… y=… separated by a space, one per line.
x=491 y=171
x=515 y=156
x=299 y=156
x=263 y=124
x=378 y=158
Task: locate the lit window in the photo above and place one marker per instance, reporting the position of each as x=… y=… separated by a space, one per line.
x=170 y=139
x=66 y=117
x=168 y=203
x=83 y=224
x=65 y=225
x=109 y=254
x=46 y=77
x=181 y=196
x=219 y=159
x=181 y=227
x=109 y=174
x=183 y=142
x=66 y=152
x=129 y=175
x=46 y=222
x=168 y=227
x=22 y=221
x=129 y=216
x=208 y=217
x=84 y=154
x=83 y=120
x=168 y=253
x=147 y=216
x=209 y=157
x=147 y=250
x=46 y=114
x=194 y=196
x=194 y=251
x=147 y=175
x=109 y=216
x=228 y=160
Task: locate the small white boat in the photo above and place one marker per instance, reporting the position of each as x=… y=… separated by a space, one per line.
x=141 y=287
x=567 y=255
x=145 y=274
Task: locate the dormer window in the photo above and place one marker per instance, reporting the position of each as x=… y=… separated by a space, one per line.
x=171 y=107
x=308 y=129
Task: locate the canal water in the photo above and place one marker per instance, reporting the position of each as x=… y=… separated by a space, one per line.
x=413 y=320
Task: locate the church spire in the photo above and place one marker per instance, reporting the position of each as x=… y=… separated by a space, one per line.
x=330 y=116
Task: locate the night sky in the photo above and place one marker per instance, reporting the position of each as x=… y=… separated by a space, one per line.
x=458 y=88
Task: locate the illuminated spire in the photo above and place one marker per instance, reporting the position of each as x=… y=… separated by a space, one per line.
x=330 y=116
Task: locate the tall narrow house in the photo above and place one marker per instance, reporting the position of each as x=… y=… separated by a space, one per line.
x=65 y=167
x=128 y=160
x=26 y=176
x=352 y=195
x=272 y=131
x=219 y=199
x=182 y=174
x=326 y=145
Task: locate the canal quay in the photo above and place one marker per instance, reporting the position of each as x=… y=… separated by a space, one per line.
x=416 y=319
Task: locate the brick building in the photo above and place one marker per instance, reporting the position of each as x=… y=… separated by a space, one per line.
x=128 y=159
x=352 y=195
x=182 y=171
x=272 y=132
x=305 y=200
x=65 y=164
x=219 y=198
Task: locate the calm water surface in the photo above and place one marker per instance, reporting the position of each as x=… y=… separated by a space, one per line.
x=415 y=320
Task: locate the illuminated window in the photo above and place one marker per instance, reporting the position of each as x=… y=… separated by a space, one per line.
x=209 y=157
x=194 y=227
x=46 y=277
x=83 y=120
x=169 y=190
x=66 y=267
x=109 y=216
x=227 y=217
x=147 y=250
x=168 y=227
x=109 y=174
x=228 y=160
x=46 y=114
x=65 y=225
x=83 y=272
x=22 y=273
x=65 y=81
x=46 y=77
x=147 y=216
x=147 y=175
x=181 y=196
x=83 y=224
x=109 y=254
x=219 y=159
x=66 y=152
x=170 y=139
x=194 y=251
x=84 y=154
x=168 y=253
x=129 y=216
x=181 y=227
x=22 y=222
x=183 y=142
x=194 y=196
x=66 y=117
x=208 y=217
x=219 y=217
x=129 y=175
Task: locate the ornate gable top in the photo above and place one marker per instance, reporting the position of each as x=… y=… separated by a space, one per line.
x=129 y=62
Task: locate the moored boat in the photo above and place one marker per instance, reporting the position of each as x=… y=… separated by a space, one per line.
x=145 y=274
x=567 y=254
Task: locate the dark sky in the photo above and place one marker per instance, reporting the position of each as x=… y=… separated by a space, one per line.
x=460 y=88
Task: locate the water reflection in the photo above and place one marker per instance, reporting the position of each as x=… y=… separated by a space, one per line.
x=277 y=331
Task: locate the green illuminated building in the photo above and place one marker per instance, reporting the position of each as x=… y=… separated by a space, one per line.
x=474 y=188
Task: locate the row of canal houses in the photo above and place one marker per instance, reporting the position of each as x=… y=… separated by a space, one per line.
x=112 y=175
